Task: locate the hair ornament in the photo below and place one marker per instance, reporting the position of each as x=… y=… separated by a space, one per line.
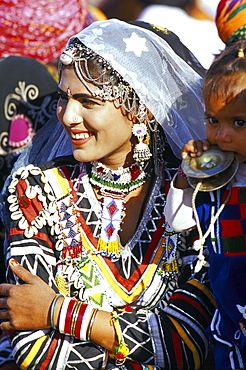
x=111 y=85
x=67 y=57
x=240 y=53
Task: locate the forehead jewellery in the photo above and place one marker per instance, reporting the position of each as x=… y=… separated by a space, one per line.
x=112 y=87
x=69 y=94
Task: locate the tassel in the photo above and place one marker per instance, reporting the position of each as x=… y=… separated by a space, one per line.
x=111 y=247
x=72 y=252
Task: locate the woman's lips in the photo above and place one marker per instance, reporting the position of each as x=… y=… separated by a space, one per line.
x=80 y=137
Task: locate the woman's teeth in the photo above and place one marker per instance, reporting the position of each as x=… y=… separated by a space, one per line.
x=82 y=135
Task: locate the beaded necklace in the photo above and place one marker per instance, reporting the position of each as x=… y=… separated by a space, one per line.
x=123 y=180
x=114 y=185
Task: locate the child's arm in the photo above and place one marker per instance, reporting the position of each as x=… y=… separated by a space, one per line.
x=178 y=209
x=194 y=148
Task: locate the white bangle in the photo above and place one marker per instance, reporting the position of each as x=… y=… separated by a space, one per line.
x=85 y=322
x=63 y=314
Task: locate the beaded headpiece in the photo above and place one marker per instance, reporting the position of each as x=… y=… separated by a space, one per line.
x=169 y=88
x=111 y=84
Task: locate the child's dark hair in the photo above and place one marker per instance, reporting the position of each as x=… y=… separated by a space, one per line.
x=229 y=63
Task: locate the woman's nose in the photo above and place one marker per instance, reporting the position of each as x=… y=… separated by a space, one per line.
x=72 y=115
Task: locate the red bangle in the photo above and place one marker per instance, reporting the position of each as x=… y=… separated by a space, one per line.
x=79 y=320
x=69 y=316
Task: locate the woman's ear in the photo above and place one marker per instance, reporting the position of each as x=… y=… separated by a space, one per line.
x=150 y=115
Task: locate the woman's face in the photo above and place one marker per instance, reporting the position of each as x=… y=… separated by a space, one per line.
x=97 y=129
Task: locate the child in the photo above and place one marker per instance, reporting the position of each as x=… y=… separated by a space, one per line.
x=220 y=215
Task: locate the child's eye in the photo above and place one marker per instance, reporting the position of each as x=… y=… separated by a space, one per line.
x=211 y=120
x=239 y=123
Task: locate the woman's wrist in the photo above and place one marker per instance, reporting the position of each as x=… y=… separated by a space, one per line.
x=55 y=310
x=72 y=317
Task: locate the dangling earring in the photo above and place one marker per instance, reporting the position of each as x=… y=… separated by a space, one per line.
x=141 y=152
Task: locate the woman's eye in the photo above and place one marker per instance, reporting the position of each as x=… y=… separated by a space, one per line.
x=88 y=102
x=239 y=123
x=211 y=120
x=63 y=97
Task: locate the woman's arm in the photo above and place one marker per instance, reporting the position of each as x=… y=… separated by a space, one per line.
x=152 y=337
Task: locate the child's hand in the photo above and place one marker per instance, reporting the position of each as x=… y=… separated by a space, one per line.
x=194 y=148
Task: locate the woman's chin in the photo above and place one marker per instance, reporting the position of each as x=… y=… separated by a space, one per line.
x=82 y=155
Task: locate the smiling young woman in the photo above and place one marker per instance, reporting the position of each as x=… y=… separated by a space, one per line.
x=113 y=285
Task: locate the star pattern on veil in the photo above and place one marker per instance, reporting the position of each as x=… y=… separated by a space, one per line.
x=135 y=44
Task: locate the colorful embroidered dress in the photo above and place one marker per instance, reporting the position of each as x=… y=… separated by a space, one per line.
x=227 y=273
x=56 y=220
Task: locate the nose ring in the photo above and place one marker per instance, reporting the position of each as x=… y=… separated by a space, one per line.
x=75 y=119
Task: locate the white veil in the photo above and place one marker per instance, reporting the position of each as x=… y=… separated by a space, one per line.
x=167 y=85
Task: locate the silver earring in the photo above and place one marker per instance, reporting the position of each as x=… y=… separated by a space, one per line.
x=141 y=152
x=75 y=119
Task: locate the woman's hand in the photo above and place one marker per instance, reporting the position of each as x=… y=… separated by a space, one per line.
x=194 y=148
x=26 y=306
x=10 y=365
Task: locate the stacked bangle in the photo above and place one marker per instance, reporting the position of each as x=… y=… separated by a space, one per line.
x=93 y=316
x=75 y=318
x=52 y=311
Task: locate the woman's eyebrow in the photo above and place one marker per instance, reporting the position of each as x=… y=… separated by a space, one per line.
x=79 y=96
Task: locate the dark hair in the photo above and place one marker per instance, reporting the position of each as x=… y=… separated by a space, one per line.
x=231 y=62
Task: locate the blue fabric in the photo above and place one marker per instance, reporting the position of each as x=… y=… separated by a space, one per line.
x=228 y=282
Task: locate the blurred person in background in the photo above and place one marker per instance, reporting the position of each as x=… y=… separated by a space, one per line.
x=230 y=20
x=199 y=35
x=190 y=20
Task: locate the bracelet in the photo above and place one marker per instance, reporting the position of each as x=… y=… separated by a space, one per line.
x=122 y=350
x=52 y=311
x=79 y=320
x=75 y=318
x=63 y=314
x=181 y=172
x=92 y=320
x=85 y=322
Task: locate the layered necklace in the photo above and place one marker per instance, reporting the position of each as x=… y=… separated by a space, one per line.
x=114 y=185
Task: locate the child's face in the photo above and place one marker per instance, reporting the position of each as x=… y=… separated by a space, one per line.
x=226 y=118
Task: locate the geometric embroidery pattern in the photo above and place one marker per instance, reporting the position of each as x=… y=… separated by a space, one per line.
x=87 y=273
x=71 y=353
x=233 y=222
